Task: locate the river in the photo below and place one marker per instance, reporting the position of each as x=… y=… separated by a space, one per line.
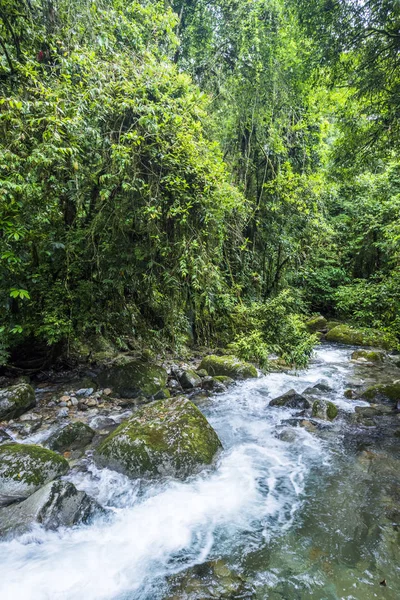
x=299 y=513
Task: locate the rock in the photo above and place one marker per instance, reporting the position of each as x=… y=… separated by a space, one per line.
x=201 y=373
x=129 y=378
x=57 y=504
x=74 y=436
x=345 y=334
x=349 y=394
x=287 y=435
x=162 y=394
x=318 y=389
x=107 y=392
x=174 y=384
x=91 y=402
x=291 y=399
x=390 y=392
x=167 y=437
x=317 y=323
x=229 y=366
x=64 y=398
x=102 y=422
x=375 y=410
x=82 y=406
x=16 y=400
x=86 y=392
x=189 y=379
x=324 y=410
x=25 y=468
x=63 y=413
x=374 y=356
x=212 y=384
x=28 y=424
x=212 y=580
x=331 y=324
x=4 y=436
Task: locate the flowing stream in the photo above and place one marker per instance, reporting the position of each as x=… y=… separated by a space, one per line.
x=298 y=512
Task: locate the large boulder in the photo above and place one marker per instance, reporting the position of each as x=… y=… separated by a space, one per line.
x=291 y=399
x=57 y=504
x=74 y=436
x=129 y=378
x=388 y=392
x=317 y=323
x=229 y=366
x=25 y=468
x=16 y=400
x=345 y=334
x=167 y=437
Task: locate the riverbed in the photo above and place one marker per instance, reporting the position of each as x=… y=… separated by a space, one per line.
x=298 y=512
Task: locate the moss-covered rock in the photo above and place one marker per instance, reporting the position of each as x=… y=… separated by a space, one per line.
x=317 y=323
x=57 y=504
x=374 y=356
x=74 y=436
x=345 y=334
x=189 y=379
x=322 y=409
x=129 y=377
x=224 y=380
x=16 y=400
x=229 y=366
x=167 y=437
x=390 y=391
x=25 y=468
x=331 y=324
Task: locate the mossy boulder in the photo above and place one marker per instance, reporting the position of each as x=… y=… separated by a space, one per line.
x=345 y=334
x=167 y=437
x=230 y=366
x=74 y=436
x=331 y=324
x=322 y=409
x=189 y=379
x=374 y=356
x=25 y=468
x=16 y=400
x=389 y=392
x=317 y=323
x=56 y=504
x=129 y=378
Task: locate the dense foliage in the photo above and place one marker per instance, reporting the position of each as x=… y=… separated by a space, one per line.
x=169 y=174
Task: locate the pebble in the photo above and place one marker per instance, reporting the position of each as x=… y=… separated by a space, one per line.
x=107 y=392
x=63 y=413
x=84 y=392
x=64 y=398
x=74 y=401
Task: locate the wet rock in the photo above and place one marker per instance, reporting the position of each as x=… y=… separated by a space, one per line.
x=57 y=504
x=4 y=436
x=210 y=580
x=345 y=334
x=324 y=410
x=349 y=394
x=189 y=379
x=82 y=406
x=25 y=468
x=129 y=377
x=63 y=413
x=74 y=436
x=287 y=435
x=374 y=356
x=318 y=389
x=162 y=394
x=201 y=373
x=86 y=392
x=375 y=410
x=102 y=422
x=163 y=438
x=214 y=384
x=317 y=323
x=389 y=392
x=291 y=399
x=16 y=400
x=229 y=366
x=28 y=424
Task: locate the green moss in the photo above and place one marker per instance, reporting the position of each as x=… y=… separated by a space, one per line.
x=30 y=463
x=370 y=355
x=331 y=411
x=224 y=379
x=229 y=366
x=345 y=334
x=324 y=410
x=73 y=436
x=16 y=400
x=163 y=436
x=129 y=377
x=389 y=391
x=331 y=324
x=316 y=323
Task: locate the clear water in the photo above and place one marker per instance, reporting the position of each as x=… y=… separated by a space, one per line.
x=311 y=517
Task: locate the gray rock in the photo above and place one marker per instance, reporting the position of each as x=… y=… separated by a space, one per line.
x=57 y=504
x=16 y=400
x=74 y=436
x=291 y=399
x=84 y=392
x=4 y=437
x=189 y=379
x=102 y=422
x=25 y=468
x=62 y=413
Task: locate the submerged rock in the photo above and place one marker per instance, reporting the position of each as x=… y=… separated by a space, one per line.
x=129 y=378
x=16 y=400
x=167 y=437
x=74 y=436
x=322 y=409
x=210 y=580
x=57 y=504
x=345 y=334
x=25 y=468
x=291 y=399
x=317 y=323
x=229 y=366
